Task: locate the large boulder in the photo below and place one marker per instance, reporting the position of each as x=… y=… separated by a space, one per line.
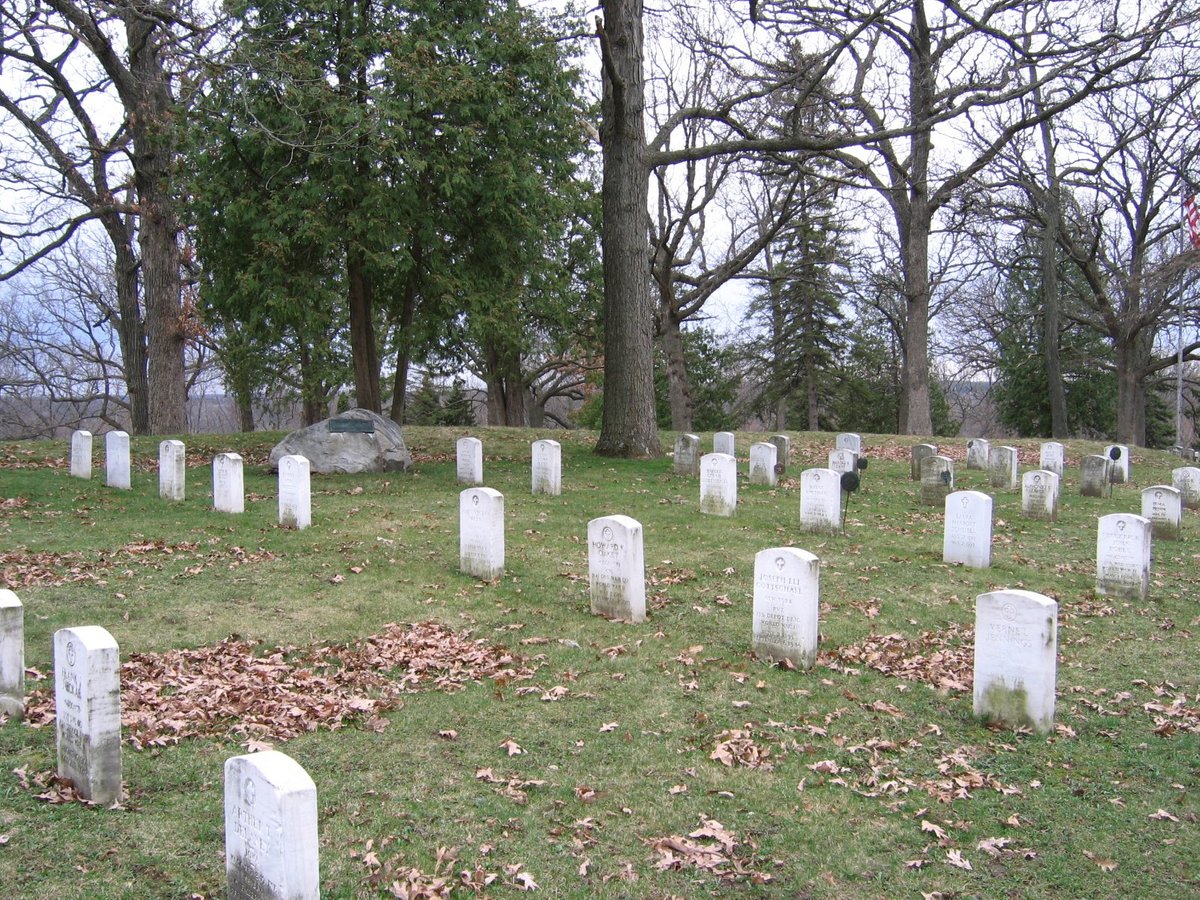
x=354 y=441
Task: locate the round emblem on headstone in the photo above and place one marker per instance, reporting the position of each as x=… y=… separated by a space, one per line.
x=607 y=533
x=474 y=499
x=1008 y=612
x=1158 y=495
x=249 y=791
x=1121 y=526
x=780 y=562
x=70 y=653
x=966 y=501
x=1037 y=479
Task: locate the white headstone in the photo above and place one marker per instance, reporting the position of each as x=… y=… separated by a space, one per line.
x=1016 y=658
x=617 y=568
x=295 y=492
x=786 y=604
x=481 y=533
x=1053 y=458
x=687 y=454
x=842 y=461
x=1002 y=467
x=725 y=442
x=1039 y=495
x=849 y=441
x=783 y=452
x=87 y=710
x=470 y=460
x=12 y=655
x=1186 y=480
x=116 y=460
x=1163 y=506
x=937 y=479
x=762 y=464
x=547 y=468
x=172 y=470
x=1123 y=556
x=968 y=529
x=977 y=453
x=919 y=453
x=1119 y=454
x=820 y=500
x=718 y=484
x=81 y=454
x=228 y=493
x=271 y=848
x=1095 y=474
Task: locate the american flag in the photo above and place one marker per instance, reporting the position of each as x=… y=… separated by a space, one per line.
x=1192 y=214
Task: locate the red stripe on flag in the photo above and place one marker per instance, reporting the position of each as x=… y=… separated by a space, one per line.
x=1192 y=214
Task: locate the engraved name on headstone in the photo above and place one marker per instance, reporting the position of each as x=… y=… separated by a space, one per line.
x=81 y=454
x=172 y=470
x=228 y=493
x=937 y=479
x=1186 y=480
x=1039 y=495
x=718 y=484
x=87 y=711
x=116 y=460
x=1123 y=556
x=481 y=533
x=1053 y=458
x=968 y=529
x=786 y=605
x=469 y=460
x=820 y=501
x=920 y=452
x=687 y=454
x=617 y=568
x=1002 y=468
x=1095 y=473
x=1163 y=506
x=977 y=454
x=547 y=468
x=295 y=492
x=762 y=464
x=1016 y=644
x=725 y=442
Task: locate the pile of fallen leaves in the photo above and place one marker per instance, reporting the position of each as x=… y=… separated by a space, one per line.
x=406 y=882
x=711 y=848
x=20 y=569
x=274 y=696
x=943 y=658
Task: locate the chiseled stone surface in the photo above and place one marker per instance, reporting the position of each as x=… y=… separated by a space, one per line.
x=87 y=708
x=481 y=533
x=617 y=568
x=786 y=605
x=1016 y=645
x=327 y=452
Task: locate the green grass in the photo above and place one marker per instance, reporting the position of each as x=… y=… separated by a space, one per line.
x=588 y=795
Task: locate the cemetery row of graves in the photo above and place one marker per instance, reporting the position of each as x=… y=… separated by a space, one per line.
x=271 y=833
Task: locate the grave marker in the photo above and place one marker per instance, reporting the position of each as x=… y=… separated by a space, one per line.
x=977 y=454
x=228 y=493
x=1186 y=480
x=295 y=492
x=1016 y=646
x=1163 y=506
x=820 y=501
x=783 y=452
x=1123 y=556
x=920 y=452
x=1119 y=454
x=481 y=533
x=271 y=849
x=786 y=605
x=116 y=460
x=968 y=529
x=849 y=441
x=87 y=707
x=469 y=460
x=842 y=461
x=937 y=479
x=725 y=442
x=547 y=468
x=1039 y=495
x=687 y=454
x=1052 y=458
x=718 y=484
x=172 y=470
x=762 y=464
x=1094 y=475
x=1002 y=468
x=12 y=655
x=617 y=568
x=81 y=454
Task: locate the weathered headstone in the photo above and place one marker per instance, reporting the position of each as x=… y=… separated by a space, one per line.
x=977 y=453
x=762 y=464
x=116 y=460
x=820 y=501
x=617 y=568
x=356 y=440
x=1186 y=480
x=920 y=452
x=469 y=460
x=786 y=605
x=968 y=529
x=937 y=479
x=12 y=655
x=725 y=442
x=1123 y=556
x=1163 y=506
x=1094 y=475
x=842 y=461
x=228 y=492
x=81 y=454
x=1016 y=658
x=87 y=711
x=849 y=441
x=172 y=470
x=718 y=484
x=1053 y=458
x=271 y=847
x=783 y=452
x=1039 y=495
x=295 y=492
x=547 y=468
x=687 y=454
x=481 y=533
x=1119 y=454
x=1002 y=468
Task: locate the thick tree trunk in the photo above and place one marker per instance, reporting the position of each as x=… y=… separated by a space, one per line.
x=679 y=386
x=629 y=428
x=362 y=333
x=1132 y=359
x=506 y=390
x=408 y=307
x=1050 y=308
x=131 y=331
